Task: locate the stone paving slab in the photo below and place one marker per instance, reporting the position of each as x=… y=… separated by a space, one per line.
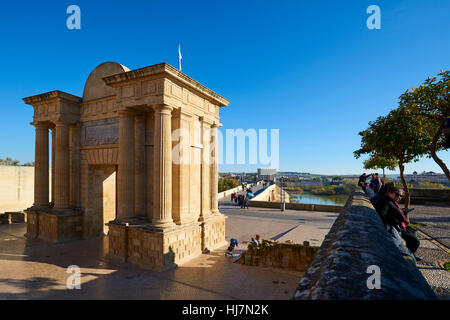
x=32 y=269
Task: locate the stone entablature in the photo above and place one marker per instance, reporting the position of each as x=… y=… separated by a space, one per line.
x=55 y=106
x=117 y=143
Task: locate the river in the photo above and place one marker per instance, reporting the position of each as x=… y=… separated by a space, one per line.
x=338 y=200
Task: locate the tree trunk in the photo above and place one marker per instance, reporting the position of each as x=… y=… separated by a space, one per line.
x=405 y=185
x=384 y=175
x=433 y=151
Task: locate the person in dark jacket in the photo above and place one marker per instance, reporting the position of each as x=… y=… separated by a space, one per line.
x=393 y=216
x=362 y=180
x=381 y=193
x=376 y=183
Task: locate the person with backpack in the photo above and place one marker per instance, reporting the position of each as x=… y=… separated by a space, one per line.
x=233 y=244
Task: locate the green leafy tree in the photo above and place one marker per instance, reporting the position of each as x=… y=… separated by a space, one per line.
x=377 y=161
x=431 y=102
x=399 y=136
x=9 y=162
x=227 y=184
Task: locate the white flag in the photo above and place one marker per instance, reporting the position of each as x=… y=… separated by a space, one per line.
x=179 y=57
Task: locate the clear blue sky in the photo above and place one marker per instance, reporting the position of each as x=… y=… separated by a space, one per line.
x=309 y=68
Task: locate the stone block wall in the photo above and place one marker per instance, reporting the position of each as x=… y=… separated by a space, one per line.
x=430 y=196
x=214 y=233
x=152 y=249
x=54 y=227
x=16 y=188
x=356 y=241
x=291 y=256
x=12 y=217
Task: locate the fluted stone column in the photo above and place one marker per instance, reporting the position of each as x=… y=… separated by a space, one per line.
x=53 y=164
x=140 y=190
x=62 y=156
x=214 y=169
x=206 y=171
x=125 y=180
x=75 y=137
x=41 y=163
x=162 y=168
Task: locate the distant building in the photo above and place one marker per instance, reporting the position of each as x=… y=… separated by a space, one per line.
x=427 y=177
x=267 y=174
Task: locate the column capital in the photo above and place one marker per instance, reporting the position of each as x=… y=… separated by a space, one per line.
x=163 y=108
x=183 y=113
x=40 y=125
x=75 y=125
x=216 y=124
x=207 y=121
x=139 y=117
x=126 y=112
x=61 y=123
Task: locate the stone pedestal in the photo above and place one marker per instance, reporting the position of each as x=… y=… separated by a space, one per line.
x=52 y=226
x=213 y=232
x=151 y=248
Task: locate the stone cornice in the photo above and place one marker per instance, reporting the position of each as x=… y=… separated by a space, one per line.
x=51 y=95
x=169 y=71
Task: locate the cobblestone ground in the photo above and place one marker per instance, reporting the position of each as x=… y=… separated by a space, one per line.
x=431 y=266
x=434 y=246
x=436 y=220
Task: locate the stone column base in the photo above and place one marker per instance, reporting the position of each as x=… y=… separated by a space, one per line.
x=213 y=232
x=53 y=226
x=151 y=248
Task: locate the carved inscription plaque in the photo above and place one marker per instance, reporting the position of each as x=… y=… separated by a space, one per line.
x=100 y=132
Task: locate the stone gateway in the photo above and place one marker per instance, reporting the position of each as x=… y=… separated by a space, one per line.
x=114 y=170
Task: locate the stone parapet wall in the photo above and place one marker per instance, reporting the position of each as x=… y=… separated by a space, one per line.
x=291 y=256
x=429 y=196
x=272 y=194
x=226 y=193
x=296 y=206
x=12 y=217
x=356 y=241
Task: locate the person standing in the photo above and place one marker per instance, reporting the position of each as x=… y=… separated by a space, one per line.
x=362 y=180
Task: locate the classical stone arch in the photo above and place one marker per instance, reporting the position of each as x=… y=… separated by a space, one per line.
x=95 y=87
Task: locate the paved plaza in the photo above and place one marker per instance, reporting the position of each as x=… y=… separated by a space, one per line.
x=32 y=269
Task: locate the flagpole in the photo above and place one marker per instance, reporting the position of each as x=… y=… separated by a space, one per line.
x=179 y=57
